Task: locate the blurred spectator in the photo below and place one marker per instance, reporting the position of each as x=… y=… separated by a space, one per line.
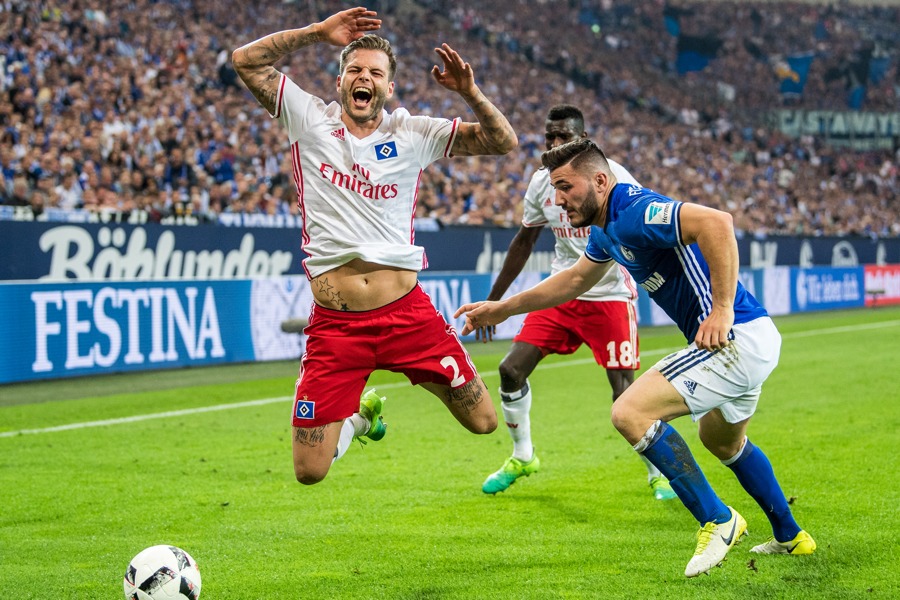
x=135 y=106
x=21 y=195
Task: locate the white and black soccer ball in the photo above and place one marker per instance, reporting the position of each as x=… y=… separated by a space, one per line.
x=162 y=573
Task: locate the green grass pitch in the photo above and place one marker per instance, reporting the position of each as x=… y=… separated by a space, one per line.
x=405 y=518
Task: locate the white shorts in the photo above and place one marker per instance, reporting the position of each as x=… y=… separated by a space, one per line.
x=729 y=379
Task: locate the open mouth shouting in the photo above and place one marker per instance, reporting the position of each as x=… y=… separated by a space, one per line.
x=362 y=97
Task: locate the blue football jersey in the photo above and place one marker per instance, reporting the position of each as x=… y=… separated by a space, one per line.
x=643 y=234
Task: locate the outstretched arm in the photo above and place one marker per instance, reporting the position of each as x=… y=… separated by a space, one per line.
x=713 y=232
x=520 y=249
x=254 y=62
x=561 y=287
x=492 y=134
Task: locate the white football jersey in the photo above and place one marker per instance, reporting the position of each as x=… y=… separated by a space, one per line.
x=541 y=209
x=357 y=197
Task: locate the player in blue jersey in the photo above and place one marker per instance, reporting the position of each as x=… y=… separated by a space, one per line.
x=686 y=257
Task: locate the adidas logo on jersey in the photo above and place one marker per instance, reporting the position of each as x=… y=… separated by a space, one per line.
x=338 y=133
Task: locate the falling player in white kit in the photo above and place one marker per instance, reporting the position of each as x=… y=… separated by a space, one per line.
x=603 y=318
x=357 y=169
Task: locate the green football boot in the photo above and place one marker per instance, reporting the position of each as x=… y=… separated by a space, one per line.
x=511 y=470
x=370 y=407
x=661 y=488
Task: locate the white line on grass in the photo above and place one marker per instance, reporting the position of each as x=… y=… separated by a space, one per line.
x=285 y=399
x=843 y=329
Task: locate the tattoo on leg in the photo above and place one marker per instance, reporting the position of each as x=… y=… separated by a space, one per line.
x=467 y=397
x=309 y=436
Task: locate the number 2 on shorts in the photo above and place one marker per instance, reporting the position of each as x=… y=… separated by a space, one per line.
x=448 y=362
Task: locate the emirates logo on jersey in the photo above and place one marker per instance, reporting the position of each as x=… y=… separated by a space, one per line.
x=353 y=183
x=571 y=232
x=338 y=133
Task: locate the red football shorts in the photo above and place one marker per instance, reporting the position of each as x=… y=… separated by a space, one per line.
x=407 y=336
x=608 y=328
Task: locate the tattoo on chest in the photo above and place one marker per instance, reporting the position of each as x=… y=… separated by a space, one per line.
x=468 y=396
x=309 y=436
x=330 y=293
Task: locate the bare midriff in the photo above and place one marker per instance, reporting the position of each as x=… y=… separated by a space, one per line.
x=359 y=285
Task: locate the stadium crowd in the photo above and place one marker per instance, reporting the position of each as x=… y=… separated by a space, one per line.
x=132 y=105
x=626 y=51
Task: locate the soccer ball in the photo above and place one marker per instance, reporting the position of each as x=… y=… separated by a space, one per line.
x=162 y=573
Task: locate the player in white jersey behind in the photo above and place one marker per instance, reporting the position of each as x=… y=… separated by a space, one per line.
x=357 y=168
x=603 y=318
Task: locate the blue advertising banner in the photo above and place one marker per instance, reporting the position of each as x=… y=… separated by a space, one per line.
x=121 y=252
x=96 y=252
x=825 y=289
x=125 y=252
x=758 y=253
x=70 y=329
x=62 y=330
x=67 y=329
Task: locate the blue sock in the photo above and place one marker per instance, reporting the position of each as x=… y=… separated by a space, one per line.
x=671 y=455
x=754 y=471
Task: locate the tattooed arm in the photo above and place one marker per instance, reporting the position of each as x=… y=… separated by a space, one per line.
x=492 y=134
x=254 y=63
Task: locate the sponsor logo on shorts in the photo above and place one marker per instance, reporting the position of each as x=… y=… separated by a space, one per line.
x=653 y=283
x=305 y=409
x=690 y=385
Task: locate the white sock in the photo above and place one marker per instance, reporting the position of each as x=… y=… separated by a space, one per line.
x=516 y=407
x=652 y=471
x=353 y=426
